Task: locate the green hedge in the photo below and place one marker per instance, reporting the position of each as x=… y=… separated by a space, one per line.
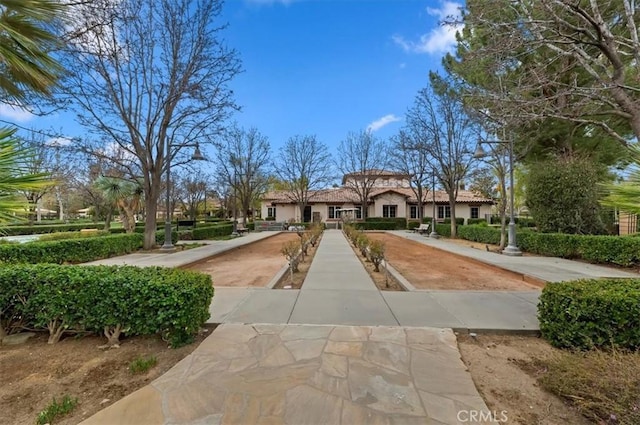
x=478 y=233
x=619 y=250
x=413 y=224
x=172 y=302
x=208 y=232
x=444 y=229
x=592 y=313
x=71 y=250
x=57 y=236
x=47 y=228
x=472 y=221
x=400 y=222
x=376 y=225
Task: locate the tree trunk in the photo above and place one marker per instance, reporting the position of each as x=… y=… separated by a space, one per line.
x=107 y=220
x=151 y=207
x=454 y=229
x=503 y=230
x=503 y=214
x=301 y=207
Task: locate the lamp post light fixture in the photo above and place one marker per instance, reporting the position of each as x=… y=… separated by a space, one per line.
x=235 y=203
x=434 y=233
x=197 y=156
x=512 y=247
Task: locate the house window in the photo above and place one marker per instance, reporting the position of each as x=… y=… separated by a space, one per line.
x=358 y=212
x=271 y=212
x=413 y=211
x=444 y=211
x=389 y=211
x=475 y=212
x=334 y=212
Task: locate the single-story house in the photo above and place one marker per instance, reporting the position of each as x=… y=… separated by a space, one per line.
x=390 y=196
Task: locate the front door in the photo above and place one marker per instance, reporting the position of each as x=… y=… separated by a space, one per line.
x=307 y=214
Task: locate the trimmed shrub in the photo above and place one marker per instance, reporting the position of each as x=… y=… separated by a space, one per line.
x=71 y=250
x=208 y=232
x=459 y=221
x=472 y=221
x=444 y=230
x=47 y=228
x=483 y=234
x=400 y=222
x=376 y=225
x=586 y=314
x=107 y=299
x=413 y=224
x=620 y=250
x=71 y=235
x=562 y=195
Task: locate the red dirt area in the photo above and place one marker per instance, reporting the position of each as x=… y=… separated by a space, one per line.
x=430 y=268
x=34 y=373
x=250 y=265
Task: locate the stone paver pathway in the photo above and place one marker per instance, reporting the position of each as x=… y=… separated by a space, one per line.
x=308 y=374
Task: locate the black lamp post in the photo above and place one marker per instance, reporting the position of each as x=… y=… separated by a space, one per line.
x=434 y=234
x=197 y=156
x=235 y=203
x=512 y=247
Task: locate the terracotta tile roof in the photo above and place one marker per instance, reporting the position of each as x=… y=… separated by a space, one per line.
x=374 y=173
x=348 y=195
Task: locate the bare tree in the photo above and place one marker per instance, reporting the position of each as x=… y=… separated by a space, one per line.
x=304 y=165
x=577 y=61
x=47 y=158
x=191 y=192
x=242 y=164
x=361 y=159
x=150 y=77
x=409 y=154
x=438 y=115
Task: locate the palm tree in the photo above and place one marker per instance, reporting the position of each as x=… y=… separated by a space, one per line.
x=25 y=64
x=626 y=195
x=14 y=175
x=125 y=194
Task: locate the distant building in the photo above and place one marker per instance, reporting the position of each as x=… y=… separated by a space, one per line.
x=390 y=196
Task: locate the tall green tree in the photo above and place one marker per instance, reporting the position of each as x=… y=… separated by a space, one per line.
x=571 y=61
x=562 y=196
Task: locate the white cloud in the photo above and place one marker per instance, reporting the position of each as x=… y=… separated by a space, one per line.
x=59 y=141
x=15 y=113
x=440 y=39
x=383 y=121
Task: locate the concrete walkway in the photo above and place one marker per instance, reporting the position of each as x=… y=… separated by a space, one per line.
x=339 y=291
x=549 y=269
x=182 y=258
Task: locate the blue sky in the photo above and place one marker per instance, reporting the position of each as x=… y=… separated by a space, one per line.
x=323 y=67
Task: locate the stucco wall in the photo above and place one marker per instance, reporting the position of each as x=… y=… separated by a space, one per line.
x=286 y=212
x=390 y=199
